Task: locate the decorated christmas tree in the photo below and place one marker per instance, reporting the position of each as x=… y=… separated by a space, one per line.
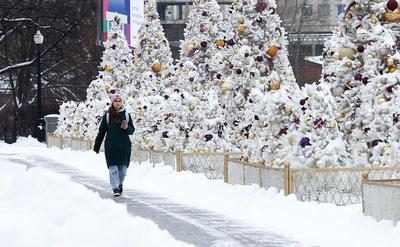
x=255 y=68
x=66 y=119
x=113 y=76
x=199 y=126
x=117 y=57
x=97 y=103
x=316 y=140
x=151 y=68
x=360 y=66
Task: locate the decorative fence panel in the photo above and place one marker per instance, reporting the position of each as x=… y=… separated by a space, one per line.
x=209 y=164
x=139 y=156
x=341 y=186
x=76 y=144
x=251 y=175
x=235 y=173
x=272 y=177
x=170 y=160
x=381 y=199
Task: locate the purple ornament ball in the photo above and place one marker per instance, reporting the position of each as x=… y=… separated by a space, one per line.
x=392 y=5
x=305 y=141
x=358 y=77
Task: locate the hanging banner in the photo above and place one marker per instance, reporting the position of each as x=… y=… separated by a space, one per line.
x=129 y=11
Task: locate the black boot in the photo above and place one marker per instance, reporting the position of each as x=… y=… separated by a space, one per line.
x=120 y=189
x=117 y=192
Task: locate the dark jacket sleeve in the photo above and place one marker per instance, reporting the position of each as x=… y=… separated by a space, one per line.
x=100 y=135
x=130 y=128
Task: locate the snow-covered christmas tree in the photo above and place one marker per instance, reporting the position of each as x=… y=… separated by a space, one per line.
x=113 y=76
x=360 y=65
x=66 y=119
x=255 y=68
x=205 y=34
x=316 y=141
x=151 y=68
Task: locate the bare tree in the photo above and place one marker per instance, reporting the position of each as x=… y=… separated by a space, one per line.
x=69 y=56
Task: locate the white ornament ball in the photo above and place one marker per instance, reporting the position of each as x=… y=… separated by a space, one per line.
x=362 y=35
x=369 y=116
x=338 y=91
x=245 y=41
x=383 y=52
x=348 y=125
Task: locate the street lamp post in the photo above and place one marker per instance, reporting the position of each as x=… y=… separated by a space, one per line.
x=40 y=131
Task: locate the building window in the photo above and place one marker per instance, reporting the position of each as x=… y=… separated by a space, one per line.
x=323 y=10
x=307 y=10
x=340 y=8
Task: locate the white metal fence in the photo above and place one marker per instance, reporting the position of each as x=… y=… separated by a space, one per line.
x=341 y=186
x=381 y=198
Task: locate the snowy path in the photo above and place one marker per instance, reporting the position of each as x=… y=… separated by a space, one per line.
x=193 y=226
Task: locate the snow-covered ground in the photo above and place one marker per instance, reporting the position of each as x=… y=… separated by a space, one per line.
x=41 y=208
x=309 y=222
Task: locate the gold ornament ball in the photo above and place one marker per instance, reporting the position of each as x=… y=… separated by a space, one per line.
x=275 y=85
x=291 y=140
x=156 y=67
x=165 y=72
x=374 y=20
x=347 y=52
x=240 y=28
x=241 y=20
x=349 y=64
x=196 y=150
x=146 y=93
x=336 y=56
x=119 y=85
x=392 y=69
x=152 y=41
x=246 y=31
x=332 y=124
x=386 y=150
x=381 y=100
x=238 y=136
x=392 y=16
x=357 y=7
x=226 y=86
x=390 y=62
x=206 y=150
x=288 y=109
x=260 y=124
x=349 y=16
x=349 y=85
x=108 y=68
x=190 y=46
x=272 y=50
x=252 y=136
x=220 y=43
x=339 y=116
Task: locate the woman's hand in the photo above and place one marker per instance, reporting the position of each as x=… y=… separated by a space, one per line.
x=124 y=125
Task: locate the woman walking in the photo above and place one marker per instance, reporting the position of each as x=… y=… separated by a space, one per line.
x=118 y=125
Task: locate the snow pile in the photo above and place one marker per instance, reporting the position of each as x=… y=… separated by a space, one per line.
x=40 y=208
x=309 y=222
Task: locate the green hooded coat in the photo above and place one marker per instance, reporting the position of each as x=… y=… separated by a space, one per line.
x=117 y=145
